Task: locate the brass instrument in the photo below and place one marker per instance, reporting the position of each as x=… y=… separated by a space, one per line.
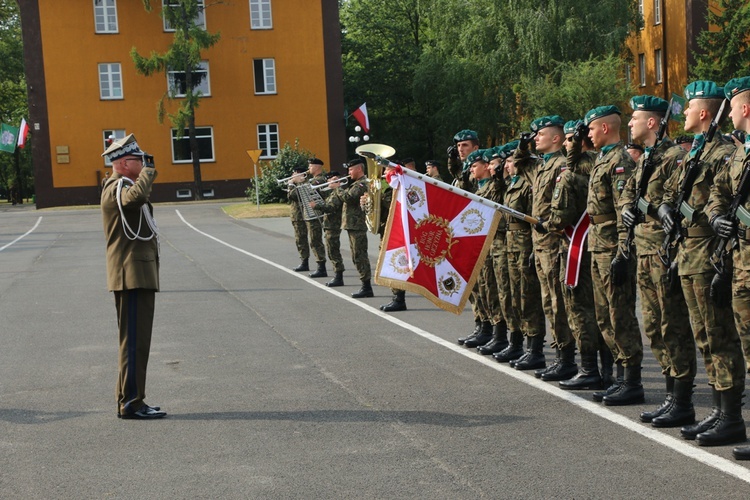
x=343 y=181
x=288 y=180
x=375 y=182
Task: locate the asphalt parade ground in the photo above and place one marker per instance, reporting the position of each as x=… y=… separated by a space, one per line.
x=278 y=387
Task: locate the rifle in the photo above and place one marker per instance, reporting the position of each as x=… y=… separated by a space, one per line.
x=725 y=245
x=693 y=168
x=640 y=206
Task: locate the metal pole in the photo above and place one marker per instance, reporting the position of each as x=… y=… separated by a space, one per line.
x=257 y=196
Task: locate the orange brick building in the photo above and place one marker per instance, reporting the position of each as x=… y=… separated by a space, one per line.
x=274 y=76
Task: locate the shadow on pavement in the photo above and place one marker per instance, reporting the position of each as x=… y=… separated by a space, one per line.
x=18 y=416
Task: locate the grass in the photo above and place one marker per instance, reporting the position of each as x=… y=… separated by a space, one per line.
x=252 y=211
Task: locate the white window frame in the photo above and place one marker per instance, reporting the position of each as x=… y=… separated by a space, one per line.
x=657 y=12
x=261 y=15
x=200 y=21
x=269 y=76
x=118 y=133
x=658 y=66
x=204 y=87
x=110 y=74
x=186 y=138
x=103 y=15
x=642 y=69
x=266 y=137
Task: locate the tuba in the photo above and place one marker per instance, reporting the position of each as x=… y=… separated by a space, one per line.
x=375 y=181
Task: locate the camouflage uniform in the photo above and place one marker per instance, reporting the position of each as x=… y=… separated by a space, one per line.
x=315 y=228
x=353 y=220
x=713 y=327
x=299 y=224
x=486 y=281
x=510 y=315
x=615 y=306
x=332 y=228
x=665 y=315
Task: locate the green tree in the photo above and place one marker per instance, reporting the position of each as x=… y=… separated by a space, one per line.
x=288 y=157
x=724 y=44
x=183 y=56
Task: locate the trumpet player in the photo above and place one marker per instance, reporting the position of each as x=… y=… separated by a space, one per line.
x=332 y=228
x=314 y=227
x=298 y=220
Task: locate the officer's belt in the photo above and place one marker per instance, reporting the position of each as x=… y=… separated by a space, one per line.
x=599 y=219
x=697 y=232
x=518 y=226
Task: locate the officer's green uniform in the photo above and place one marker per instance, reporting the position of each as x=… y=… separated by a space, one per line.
x=298 y=223
x=315 y=228
x=332 y=228
x=353 y=220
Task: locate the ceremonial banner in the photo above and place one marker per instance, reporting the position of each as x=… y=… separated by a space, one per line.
x=8 y=138
x=435 y=241
x=360 y=114
x=577 y=236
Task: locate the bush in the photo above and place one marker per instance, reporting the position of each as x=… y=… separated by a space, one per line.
x=280 y=167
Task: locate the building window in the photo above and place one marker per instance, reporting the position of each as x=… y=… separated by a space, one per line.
x=657 y=65
x=657 y=11
x=628 y=73
x=181 y=147
x=268 y=139
x=107 y=137
x=640 y=12
x=110 y=81
x=642 y=69
x=265 y=76
x=200 y=19
x=260 y=15
x=105 y=16
x=177 y=81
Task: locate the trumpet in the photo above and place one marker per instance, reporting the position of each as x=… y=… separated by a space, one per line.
x=343 y=181
x=288 y=180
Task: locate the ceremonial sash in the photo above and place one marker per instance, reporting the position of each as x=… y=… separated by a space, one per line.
x=577 y=237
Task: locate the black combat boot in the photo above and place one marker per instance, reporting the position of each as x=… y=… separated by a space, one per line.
x=397 y=303
x=535 y=358
x=631 y=390
x=499 y=340
x=338 y=280
x=304 y=266
x=741 y=453
x=321 y=272
x=364 y=291
x=648 y=416
x=484 y=336
x=514 y=349
x=538 y=373
x=566 y=368
x=588 y=377
x=681 y=411
x=690 y=431
x=477 y=329
x=606 y=360
x=526 y=354
x=614 y=387
x=729 y=428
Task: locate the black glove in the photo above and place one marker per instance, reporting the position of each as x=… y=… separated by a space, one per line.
x=672 y=280
x=532 y=264
x=721 y=290
x=581 y=131
x=618 y=270
x=525 y=140
x=723 y=227
x=630 y=218
x=453 y=153
x=666 y=216
x=539 y=227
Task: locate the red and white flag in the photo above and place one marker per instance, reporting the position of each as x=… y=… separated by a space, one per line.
x=435 y=241
x=360 y=114
x=23 y=132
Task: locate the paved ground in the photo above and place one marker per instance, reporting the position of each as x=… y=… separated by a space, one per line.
x=278 y=387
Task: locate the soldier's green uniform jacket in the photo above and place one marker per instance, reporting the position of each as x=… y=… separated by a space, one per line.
x=694 y=252
x=568 y=202
x=518 y=197
x=352 y=216
x=613 y=168
x=332 y=208
x=579 y=160
x=386 y=198
x=295 y=207
x=494 y=190
x=667 y=158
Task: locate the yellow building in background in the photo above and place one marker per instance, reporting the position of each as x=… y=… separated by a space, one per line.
x=275 y=76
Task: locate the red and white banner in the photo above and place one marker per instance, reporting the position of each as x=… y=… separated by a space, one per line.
x=435 y=242
x=360 y=114
x=23 y=132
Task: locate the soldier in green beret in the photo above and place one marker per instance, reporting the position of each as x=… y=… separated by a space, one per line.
x=612 y=271
x=723 y=192
x=665 y=314
x=713 y=326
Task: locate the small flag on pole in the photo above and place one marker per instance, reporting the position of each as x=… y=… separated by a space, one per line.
x=8 y=138
x=678 y=108
x=360 y=114
x=23 y=133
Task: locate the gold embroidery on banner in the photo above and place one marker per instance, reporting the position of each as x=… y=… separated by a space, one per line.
x=433 y=237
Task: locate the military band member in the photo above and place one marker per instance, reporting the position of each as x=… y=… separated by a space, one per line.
x=332 y=228
x=296 y=213
x=665 y=315
x=315 y=227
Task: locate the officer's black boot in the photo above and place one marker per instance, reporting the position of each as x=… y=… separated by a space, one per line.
x=321 y=272
x=588 y=377
x=690 y=431
x=338 y=280
x=566 y=368
x=535 y=358
x=648 y=416
x=397 y=303
x=484 y=336
x=514 y=349
x=477 y=329
x=681 y=411
x=729 y=428
x=741 y=452
x=364 y=291
x=606 y=360
x=499 y=340
x=614 y=387
x=304 y=266
x=538 y=373
x=526 y=354
x=631 y=390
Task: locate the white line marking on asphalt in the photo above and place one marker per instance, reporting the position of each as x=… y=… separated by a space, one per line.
x=23 y=235
x=680 y=446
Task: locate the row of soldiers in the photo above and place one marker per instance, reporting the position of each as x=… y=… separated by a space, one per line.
x=606 y=226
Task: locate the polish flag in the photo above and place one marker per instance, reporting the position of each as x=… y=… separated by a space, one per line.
x=23 y=132
x=361 y=116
